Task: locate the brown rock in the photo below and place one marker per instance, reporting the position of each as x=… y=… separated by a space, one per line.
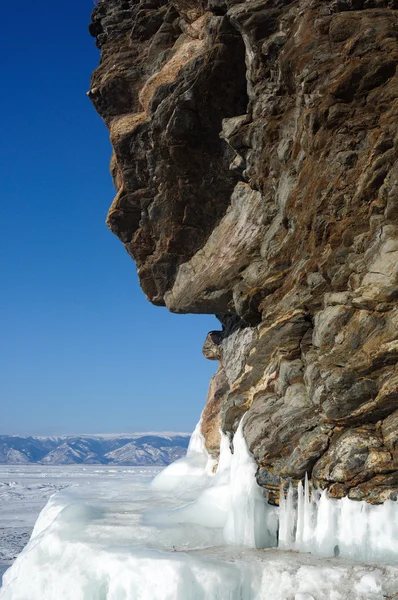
x=353 y=457
x=389 y=431
x=211 y=417
x=211 y=347
x=255 y=160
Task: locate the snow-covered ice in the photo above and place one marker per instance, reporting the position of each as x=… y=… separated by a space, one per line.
x=177 y=540
x=25 y=490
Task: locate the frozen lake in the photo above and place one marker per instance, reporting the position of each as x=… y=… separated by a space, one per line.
x=25 y=490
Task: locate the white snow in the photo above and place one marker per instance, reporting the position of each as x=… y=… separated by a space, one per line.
x=176 y=540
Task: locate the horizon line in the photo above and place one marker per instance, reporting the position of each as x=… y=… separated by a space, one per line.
x=124 y=434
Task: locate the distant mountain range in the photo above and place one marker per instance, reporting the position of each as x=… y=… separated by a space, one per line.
x=136 y=449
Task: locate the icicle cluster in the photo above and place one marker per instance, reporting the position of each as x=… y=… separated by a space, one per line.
x=307 y=519
x=310 y=521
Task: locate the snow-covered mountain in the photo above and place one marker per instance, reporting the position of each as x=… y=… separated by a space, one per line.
x=122 y=449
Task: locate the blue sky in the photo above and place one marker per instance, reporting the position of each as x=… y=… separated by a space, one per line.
x=81 y=350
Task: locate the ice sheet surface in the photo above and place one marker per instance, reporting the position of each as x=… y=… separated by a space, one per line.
x=25 y=490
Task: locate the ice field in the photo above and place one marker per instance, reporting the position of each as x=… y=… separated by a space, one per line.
x=190 y=534
x=25 y=490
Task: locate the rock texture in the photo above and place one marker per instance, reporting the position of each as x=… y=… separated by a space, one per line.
x=255 y=163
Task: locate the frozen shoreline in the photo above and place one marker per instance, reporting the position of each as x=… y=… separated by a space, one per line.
x=98 y=547
x=121 y=537
x=26 y=489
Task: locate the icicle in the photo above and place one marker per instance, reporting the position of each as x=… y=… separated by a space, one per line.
x=224 y=461
x=309 y=510
x=282 y=533
x=287 y=519
x=250 y=520
x=300 y=516
x=325 y=539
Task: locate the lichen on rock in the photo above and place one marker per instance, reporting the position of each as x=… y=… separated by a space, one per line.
x=255 y=163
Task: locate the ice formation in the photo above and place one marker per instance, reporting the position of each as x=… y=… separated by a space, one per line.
x=192 y=533
x=309 y=521
x=187 y=475
x=232 y=499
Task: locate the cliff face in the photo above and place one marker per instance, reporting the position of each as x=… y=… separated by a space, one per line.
x=255 y=162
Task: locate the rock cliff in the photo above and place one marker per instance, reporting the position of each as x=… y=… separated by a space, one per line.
x=255 y=163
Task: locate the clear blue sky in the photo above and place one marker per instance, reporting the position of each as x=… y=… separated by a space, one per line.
x=81 y=349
